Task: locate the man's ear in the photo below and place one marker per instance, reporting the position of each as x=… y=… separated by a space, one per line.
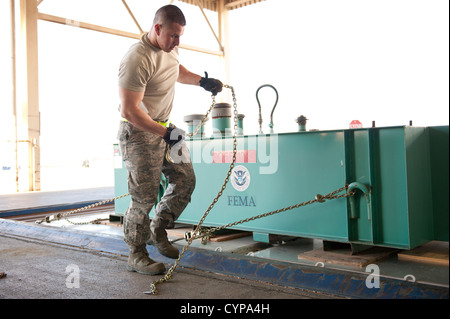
x=158 y=28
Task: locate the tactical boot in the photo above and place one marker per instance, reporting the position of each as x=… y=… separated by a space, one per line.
x=158 y=238
x=140 y=262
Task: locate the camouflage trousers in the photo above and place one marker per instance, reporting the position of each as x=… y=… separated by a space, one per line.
x=144 y=156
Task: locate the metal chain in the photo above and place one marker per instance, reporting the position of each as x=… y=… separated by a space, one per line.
x=55 y=217
x=168 y=275
x=59 y=216
x=318 y=199
x=213 y=97
x=198 y=232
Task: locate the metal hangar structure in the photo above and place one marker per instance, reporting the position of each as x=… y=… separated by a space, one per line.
x=25 y=67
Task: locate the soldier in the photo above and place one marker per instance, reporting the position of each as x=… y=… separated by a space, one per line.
x=147 y=76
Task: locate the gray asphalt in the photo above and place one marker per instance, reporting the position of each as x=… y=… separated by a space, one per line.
x=39 y=270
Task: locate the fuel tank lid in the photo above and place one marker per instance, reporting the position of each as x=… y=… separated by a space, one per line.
x=194 y=117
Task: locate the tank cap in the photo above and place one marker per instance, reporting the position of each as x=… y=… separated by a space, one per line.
x=194 y=117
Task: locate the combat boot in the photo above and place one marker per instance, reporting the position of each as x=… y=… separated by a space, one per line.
x=158 y=238
x=140 y=262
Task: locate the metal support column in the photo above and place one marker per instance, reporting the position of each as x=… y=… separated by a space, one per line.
x=28 y=96
x=222 y=12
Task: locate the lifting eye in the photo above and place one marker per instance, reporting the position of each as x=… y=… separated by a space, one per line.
x=259 y=107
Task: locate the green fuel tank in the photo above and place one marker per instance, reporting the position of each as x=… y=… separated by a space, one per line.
x=399 y=176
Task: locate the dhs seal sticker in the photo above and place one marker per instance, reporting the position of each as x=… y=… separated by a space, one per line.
x=240 y=178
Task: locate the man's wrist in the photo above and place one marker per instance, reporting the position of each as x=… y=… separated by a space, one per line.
x=165 y=131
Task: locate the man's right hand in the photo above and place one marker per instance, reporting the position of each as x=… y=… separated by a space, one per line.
x=174 y=135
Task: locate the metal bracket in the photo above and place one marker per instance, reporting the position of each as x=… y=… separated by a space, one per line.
x=354 y=213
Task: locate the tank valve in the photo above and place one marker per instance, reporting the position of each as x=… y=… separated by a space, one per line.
x=301 y=121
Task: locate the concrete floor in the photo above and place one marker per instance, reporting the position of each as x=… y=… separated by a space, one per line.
x=32 y=200
x=38 y=270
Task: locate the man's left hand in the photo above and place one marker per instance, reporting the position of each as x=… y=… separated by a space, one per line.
x=212 y=85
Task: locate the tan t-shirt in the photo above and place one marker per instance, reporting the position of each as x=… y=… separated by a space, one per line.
x=147 y=69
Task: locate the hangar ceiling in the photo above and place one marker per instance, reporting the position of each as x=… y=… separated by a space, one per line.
x=214 y=5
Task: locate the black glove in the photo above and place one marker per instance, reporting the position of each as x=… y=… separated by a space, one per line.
x=174 y=135
x=212 y=85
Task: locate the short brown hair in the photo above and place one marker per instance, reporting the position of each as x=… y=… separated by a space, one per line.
x=169 y=13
